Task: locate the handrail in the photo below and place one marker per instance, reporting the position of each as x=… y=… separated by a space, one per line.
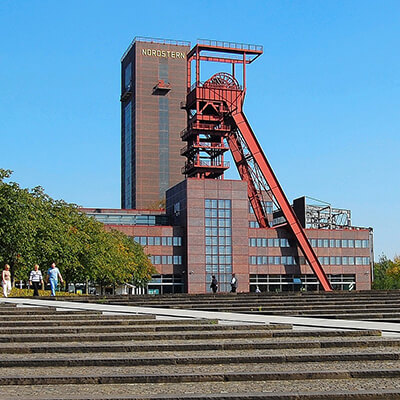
x=231 y=45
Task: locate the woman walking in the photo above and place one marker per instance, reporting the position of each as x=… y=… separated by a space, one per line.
x=6 y=280
x=35 y=279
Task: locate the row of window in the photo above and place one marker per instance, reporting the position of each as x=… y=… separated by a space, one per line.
x=218 y=232
x=290 y=260
x=330 y=243
x=263 y=242
x=129 y=219
x=159 y=241
x=213 y=269
x=218 y=259
x=289 y=278
x=218 y=249
x=342 y=243
x=157 y=260
x=267 y=206
x=344 y=260
x=214 y=203
x=218 y=222
x=270 y=260
x=217 y=213
x=215 y=240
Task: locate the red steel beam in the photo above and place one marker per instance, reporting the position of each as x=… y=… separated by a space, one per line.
x=280 y=197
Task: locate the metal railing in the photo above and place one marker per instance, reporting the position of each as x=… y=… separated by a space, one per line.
x=230 y=45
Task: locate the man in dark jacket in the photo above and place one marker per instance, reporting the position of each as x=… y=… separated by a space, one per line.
x=214 y=284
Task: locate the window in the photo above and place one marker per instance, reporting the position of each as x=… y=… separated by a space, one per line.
x=270 y=260
x=177 y=260
x=177 y=241
x=127 y=76
x=357 y=244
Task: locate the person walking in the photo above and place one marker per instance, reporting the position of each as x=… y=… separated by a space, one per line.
x=214 y=284
x=35 y=278
x=233 y=283
x=6 y=280
x=54 y=274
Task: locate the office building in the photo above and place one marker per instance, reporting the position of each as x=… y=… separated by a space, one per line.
x=209 y=226
x=153 y=84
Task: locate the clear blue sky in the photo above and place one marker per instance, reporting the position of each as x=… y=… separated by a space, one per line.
x=323 y=100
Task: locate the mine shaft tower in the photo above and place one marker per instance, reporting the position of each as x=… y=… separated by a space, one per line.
x=216 y=123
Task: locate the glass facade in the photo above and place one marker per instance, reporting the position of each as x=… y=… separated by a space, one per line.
x=218 y=238
x=128 y=154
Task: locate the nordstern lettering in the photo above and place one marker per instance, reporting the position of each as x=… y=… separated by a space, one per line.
x=163 y=53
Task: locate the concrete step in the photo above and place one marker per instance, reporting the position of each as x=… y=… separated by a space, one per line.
x=191 y=335
x=211 y=344
x=106 y=321
x=222 y=376
x=132 y=359
x=56 y=315
x=104 y=328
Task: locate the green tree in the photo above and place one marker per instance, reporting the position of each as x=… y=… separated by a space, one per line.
x=34 y=228
x=387 y=273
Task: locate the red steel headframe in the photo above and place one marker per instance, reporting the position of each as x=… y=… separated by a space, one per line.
x=247 y=153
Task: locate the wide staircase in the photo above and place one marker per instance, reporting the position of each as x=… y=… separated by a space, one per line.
x=363 y=305
x=47 y=354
